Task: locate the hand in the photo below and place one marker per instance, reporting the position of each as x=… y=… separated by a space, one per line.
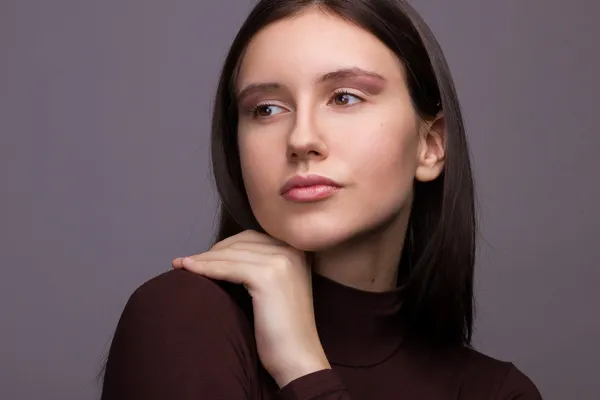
x=278 y=279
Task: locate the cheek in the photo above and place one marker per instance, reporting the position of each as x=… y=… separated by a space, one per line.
x=384 y=162
x=261 y=166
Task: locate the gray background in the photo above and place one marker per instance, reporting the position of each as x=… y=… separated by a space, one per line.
x=104 y=115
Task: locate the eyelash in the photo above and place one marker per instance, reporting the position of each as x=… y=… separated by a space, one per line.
x=346 y=92
x=338 y=92
x=253 y=110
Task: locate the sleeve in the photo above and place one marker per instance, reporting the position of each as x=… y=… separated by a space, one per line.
x=180 y=337
x=320 y=385
x=517 y=386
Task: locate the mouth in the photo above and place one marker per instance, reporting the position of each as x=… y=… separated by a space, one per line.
x=309 y=188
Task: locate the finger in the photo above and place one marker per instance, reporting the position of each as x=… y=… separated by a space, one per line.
x=262 y=248
x=242 y=252
x=248 y=236
x=229 y=254
x=256 y=253
x=247 y=240
x=176 y=262
x=257 y=247
x=230 y=271
x=292 y=254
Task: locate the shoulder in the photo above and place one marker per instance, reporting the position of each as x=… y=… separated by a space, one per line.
x=181 y=335
x=182 y=299
x=496 y=379
x=179 y=287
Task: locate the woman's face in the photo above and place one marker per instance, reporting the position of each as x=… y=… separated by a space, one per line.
x=318 y=95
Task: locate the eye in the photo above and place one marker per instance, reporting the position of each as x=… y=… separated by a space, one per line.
x=266 y=110
x=345 y=99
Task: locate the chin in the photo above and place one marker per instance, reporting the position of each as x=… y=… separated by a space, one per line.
x=311 y=237
x=312 y=244
x=319 y=233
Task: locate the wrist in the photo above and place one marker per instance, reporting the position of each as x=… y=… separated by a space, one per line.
x=300 y=367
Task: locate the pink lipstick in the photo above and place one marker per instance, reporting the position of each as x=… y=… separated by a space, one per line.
x=309 y=188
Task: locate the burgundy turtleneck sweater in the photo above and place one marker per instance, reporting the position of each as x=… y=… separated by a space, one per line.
x=182 y=336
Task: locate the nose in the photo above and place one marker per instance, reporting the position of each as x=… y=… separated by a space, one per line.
x=305 y=142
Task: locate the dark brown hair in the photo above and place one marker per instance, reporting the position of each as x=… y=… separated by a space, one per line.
x=438 y=255
x=439 y=250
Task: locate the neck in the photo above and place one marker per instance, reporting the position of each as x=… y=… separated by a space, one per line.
x=368 y=261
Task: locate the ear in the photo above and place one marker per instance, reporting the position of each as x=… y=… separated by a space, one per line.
x=431 y=150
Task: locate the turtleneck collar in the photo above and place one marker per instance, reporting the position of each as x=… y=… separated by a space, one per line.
x=357 y=328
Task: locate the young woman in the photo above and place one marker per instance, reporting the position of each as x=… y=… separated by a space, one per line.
x=343 y=265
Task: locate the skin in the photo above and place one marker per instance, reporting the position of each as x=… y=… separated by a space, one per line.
x=319 y=95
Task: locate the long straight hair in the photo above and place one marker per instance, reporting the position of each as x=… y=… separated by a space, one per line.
x=438 y=255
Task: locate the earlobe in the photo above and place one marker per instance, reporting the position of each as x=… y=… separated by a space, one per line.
x=432 y=151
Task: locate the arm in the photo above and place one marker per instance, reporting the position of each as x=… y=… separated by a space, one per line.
x=277 y=277
x=180 y=337
x=517 y=386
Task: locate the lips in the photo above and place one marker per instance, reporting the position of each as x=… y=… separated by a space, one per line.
x=299 y=181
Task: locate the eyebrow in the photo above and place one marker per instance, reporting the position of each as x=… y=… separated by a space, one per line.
x=337 y=75
x=345 y=73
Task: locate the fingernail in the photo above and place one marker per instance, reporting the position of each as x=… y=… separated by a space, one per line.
x=177 y=262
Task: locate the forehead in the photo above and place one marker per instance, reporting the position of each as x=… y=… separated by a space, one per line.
x=314 y=43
